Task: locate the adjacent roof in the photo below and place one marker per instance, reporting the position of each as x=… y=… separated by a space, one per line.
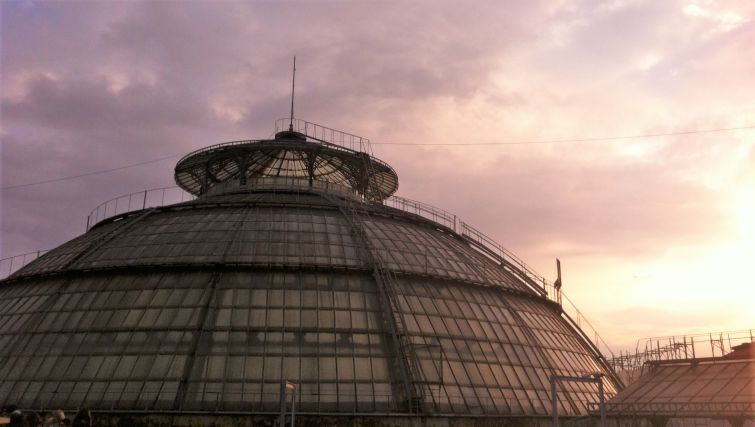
x=701 y=388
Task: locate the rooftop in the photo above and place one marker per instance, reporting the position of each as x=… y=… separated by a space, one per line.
x=692 y=388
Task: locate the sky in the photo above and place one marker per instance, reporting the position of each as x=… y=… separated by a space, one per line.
x=656 y=235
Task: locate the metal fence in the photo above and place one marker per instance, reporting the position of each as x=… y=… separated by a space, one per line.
x=631 y=363
x=325 y=134
x=14 y=263
x=136 y=201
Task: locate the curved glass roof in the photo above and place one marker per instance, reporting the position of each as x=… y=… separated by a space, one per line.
x=260 y=230
x=133 y=341
x=209 y=305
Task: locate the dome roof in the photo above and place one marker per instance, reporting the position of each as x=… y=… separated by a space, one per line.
x=210 y=304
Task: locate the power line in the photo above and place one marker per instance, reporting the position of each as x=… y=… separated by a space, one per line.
x=65 y=178
x=544 y=141
x=558 y=141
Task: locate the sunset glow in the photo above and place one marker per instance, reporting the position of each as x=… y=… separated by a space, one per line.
x=656 y=235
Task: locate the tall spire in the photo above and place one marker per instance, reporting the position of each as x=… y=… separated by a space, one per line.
x=293 y=89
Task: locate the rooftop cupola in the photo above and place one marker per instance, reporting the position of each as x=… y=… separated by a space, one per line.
x=302 y=155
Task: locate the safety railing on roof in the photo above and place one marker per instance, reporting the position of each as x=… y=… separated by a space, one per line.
x=507 y=259
x=165 y=196
x=692 y=346
x=631 y=363
x=14 y=263
x=154 y=197
x=584 y=325
x=323 y=133
x=503 y=255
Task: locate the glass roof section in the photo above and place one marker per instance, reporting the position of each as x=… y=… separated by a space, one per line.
x=204 y=341
x=690 y=389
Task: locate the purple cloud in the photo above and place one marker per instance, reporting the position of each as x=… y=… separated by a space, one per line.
x=89 y=86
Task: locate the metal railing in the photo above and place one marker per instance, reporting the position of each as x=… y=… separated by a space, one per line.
x=14 y=263
x=154 y=197
x=436 y=215
x=331 y=138
x=165 y=196
x=345 y=148
x=679 y=347
x=584 y=325
x=528 y=275
x=325 y=134
x=334 y=138
x=442 y=217
x=693 y=346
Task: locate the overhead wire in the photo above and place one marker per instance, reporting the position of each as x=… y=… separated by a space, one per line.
x=439 y=144
x=81 y=175
x=571 y=140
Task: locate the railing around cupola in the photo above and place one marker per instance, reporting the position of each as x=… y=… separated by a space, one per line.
x=324 y=134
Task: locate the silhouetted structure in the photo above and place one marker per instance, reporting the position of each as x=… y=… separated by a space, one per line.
x=692 y=391
x=293 y=263
x=631 y=365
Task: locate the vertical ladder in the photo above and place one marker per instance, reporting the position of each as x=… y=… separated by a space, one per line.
x=405 y=359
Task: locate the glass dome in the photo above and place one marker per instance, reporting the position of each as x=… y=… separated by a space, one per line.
x=207 y=306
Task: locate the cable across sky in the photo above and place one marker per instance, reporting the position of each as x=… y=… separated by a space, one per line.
x=438 y=144
x=81 y=175
x=571 y=140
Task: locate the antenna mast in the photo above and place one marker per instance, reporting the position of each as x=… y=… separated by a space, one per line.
x=293 y=89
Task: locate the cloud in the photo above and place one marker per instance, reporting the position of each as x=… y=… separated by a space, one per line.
x=620 y=209
x=694 y=10
x=94 y=86
x=723 y=20
x=89 y=86
x=85 y=106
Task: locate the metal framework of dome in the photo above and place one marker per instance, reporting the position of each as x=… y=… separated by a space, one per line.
x=292 y=264
x=290 y=155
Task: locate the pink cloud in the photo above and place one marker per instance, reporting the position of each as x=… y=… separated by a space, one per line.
x=427 y=71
